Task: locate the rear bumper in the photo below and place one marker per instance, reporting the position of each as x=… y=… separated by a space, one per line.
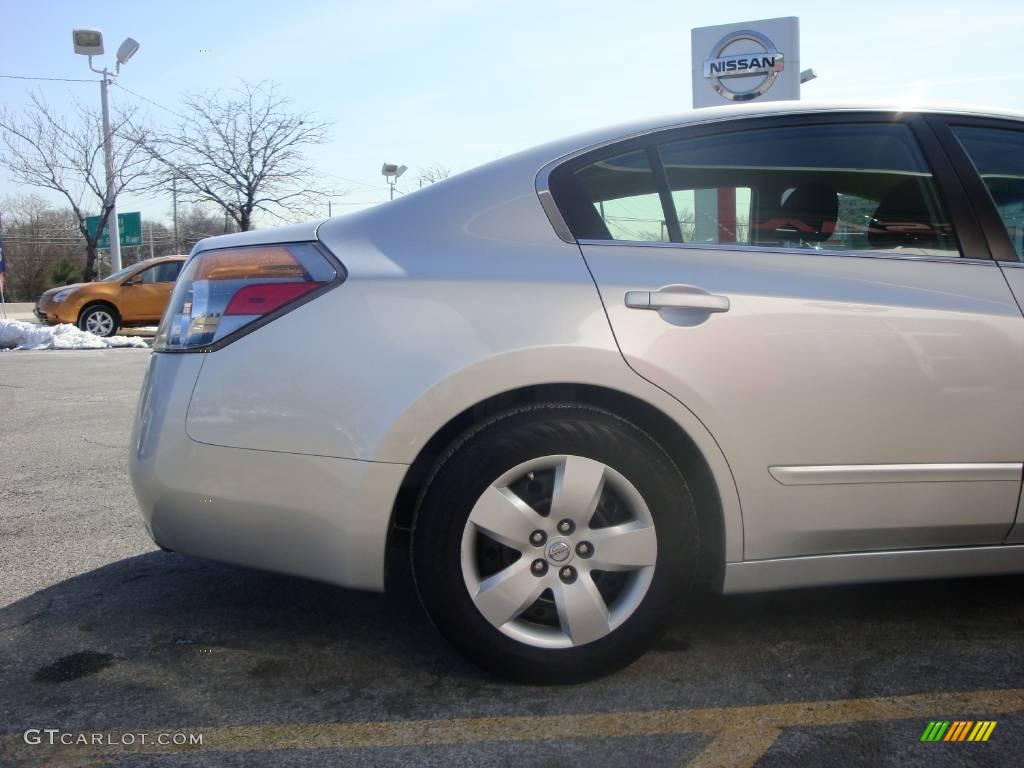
x=313 y=516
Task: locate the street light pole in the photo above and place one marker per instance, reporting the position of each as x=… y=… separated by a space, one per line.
x=391 y=172
x=114 y=226
x=89 y=42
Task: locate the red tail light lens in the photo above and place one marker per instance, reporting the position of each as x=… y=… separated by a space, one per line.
x=264 y=298
x=221 y=292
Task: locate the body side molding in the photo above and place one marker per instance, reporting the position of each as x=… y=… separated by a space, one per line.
x=838 y=474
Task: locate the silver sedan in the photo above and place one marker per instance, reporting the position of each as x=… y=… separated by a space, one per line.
x=745 y=349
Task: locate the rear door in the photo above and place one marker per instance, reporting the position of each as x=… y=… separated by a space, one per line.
x=816 y=290
x=989 y=154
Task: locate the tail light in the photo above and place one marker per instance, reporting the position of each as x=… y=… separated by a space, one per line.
x=224 y=293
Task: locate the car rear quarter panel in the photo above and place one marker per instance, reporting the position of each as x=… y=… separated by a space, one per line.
x=454 y=294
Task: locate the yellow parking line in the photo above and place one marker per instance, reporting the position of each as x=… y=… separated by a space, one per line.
x=740 y=735
x=737 y=746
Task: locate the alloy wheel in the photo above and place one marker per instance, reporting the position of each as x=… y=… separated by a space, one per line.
x=100 y=322
x=559 y=551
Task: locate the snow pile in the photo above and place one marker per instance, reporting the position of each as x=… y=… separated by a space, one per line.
x=15 y=334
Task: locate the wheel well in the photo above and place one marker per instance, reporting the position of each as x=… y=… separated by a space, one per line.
x=676 y=442
x=99 y=303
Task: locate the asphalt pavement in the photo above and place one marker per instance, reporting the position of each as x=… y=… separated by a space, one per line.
x=106 y=639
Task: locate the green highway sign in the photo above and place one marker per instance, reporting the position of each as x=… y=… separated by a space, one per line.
x=131 y=229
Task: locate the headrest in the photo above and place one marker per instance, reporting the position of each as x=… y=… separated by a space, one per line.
x=810 y=212
x=902 y=219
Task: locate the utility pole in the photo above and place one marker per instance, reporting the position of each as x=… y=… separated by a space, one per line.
x=174 y=197
x=151 y=239
x=328 y=208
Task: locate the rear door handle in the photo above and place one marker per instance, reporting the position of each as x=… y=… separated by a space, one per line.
x=678 y=297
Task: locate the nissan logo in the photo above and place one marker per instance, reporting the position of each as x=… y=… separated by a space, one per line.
x=723 y=66
x=559 y=551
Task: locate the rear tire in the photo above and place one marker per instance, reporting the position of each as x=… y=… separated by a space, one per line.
x=619 y=545
x=99 y=319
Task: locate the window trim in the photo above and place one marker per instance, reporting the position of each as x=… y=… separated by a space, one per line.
x=668 y=203
x=745 y=248
x=985 y=210
x=968 y=234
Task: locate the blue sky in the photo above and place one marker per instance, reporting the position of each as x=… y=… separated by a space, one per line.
x=460 y=83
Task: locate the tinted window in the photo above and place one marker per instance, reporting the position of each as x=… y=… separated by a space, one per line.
x=854 y=187
x=166 y=272
x=835 y=187
x=998 y=155
x=624 y=195
x=719 y=215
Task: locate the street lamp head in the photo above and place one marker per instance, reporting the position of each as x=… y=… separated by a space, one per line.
x=88 y=41
x=127 y=50
x=393 y=169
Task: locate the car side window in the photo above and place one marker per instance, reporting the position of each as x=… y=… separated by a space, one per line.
x=167 y=272
x=998 y=156
x=841 y=187
x=836 y=187
x=624 y=195
x=170 y=270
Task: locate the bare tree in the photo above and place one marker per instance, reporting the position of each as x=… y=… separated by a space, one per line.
x=42 y=245
x=199 y=221
x=243 y=152
x=43 y=149
x=432 y=173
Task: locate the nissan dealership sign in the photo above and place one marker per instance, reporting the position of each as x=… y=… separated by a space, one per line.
x=753 y=60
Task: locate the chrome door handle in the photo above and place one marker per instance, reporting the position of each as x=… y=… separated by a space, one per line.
x=678 y=297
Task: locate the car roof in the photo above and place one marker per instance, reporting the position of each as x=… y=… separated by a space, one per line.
x=766 y=109
x=496 y=192
x=158 y=259
x=572 y=144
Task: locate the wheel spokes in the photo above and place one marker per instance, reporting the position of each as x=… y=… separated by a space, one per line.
x=509 y=592
x=578 y=485
x=505 y=517
x=623 y=547
x=582 y=611
x=100 y=323
x=560 y=554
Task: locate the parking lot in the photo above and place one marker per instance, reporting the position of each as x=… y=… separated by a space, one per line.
x=101 y=633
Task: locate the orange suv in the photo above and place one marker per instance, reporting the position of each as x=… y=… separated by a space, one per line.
x=137 y=295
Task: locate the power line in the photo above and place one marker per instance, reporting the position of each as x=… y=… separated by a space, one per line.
x=56 y=79
x=354 y=181
x=149 y=101
x=182 y=117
